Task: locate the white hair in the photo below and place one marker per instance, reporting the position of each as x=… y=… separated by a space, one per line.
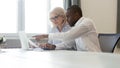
x=58 y=11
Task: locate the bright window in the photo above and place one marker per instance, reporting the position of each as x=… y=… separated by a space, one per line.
x=8 y=16
x=36 y=14
x=56 y=3
x=28 y=15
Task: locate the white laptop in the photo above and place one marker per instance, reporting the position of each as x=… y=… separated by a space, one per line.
x=25 y=42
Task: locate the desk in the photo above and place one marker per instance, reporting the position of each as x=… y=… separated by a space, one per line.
x=16 y=58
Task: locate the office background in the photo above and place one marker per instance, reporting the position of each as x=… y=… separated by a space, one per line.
x=105 y=14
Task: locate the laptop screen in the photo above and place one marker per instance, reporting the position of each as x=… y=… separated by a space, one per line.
x=24 y=40
x=26 y=43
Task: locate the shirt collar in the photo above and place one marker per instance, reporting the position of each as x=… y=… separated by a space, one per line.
x=79 y=21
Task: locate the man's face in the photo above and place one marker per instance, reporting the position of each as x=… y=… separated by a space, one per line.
x=70 y=18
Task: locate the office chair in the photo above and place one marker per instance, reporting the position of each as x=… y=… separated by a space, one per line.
x=108 y=42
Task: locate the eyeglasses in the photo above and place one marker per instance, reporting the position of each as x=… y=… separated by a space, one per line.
x=54 y=18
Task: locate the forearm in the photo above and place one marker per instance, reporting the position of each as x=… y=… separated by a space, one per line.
x=66 y=45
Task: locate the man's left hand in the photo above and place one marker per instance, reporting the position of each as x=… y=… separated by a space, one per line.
x=47 y=46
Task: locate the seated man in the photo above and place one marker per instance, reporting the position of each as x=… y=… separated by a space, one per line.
x=83 y=31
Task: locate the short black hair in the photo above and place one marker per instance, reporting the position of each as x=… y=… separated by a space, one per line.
x=74 y=9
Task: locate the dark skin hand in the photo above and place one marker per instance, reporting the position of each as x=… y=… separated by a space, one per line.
x=47 y=46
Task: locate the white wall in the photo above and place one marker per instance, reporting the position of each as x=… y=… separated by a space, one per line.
x=103 y=13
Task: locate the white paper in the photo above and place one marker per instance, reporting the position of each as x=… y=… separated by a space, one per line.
x=32 y=43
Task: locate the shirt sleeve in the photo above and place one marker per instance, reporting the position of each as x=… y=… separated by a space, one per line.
x=69 y=45
x=74 y=32
x=50 y=41
x=52 y=30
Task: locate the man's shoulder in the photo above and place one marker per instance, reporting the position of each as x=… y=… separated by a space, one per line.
x=84 y=21
x=87 y=19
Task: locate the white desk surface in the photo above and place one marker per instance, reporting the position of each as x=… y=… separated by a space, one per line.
x=16 y=58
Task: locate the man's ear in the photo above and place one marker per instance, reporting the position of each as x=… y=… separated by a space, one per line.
x=76 y=15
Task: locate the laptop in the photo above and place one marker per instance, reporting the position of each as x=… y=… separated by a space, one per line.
x=25 y=42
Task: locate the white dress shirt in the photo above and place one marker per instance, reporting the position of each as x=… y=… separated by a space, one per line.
x=83 y=32
x=68 y=45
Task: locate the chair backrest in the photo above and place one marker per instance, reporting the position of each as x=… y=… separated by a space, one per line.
x=108 y=42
